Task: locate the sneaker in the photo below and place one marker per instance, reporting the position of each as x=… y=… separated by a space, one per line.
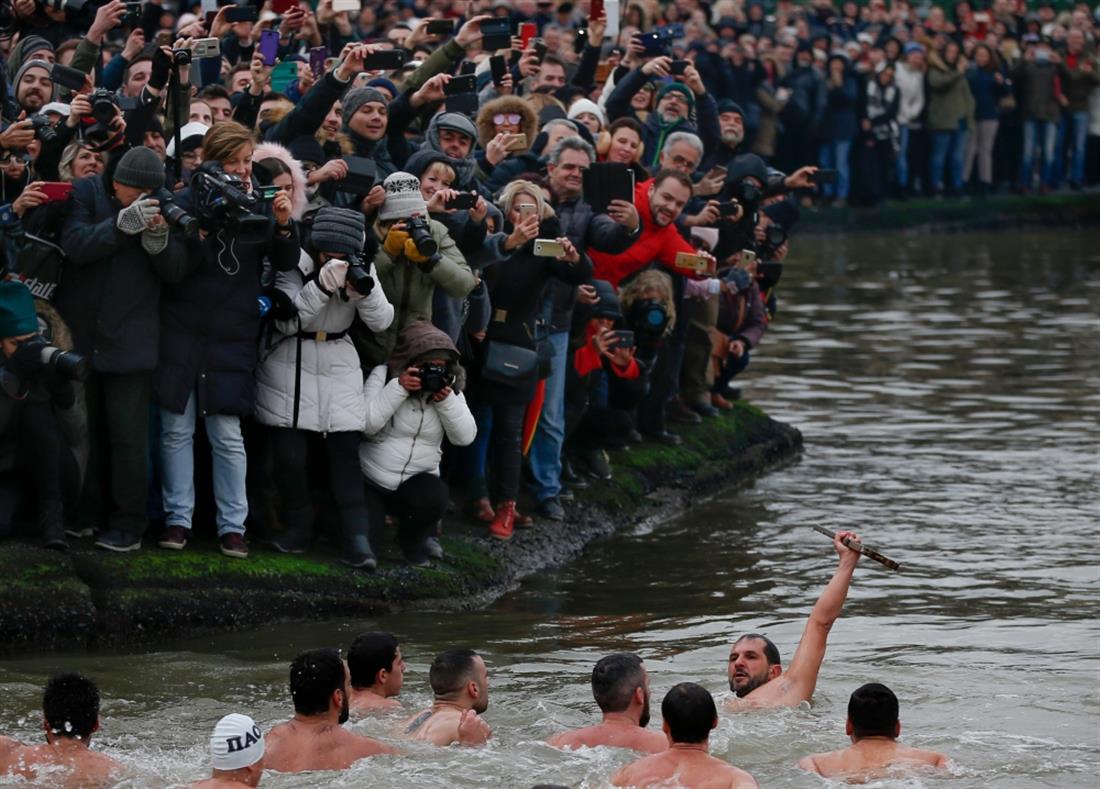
x=599 y=465
x=633 y=437
x=233 y=544
x=570 y=477
x=676 y=411
x=363 y=561
x=565 y=494
x=703 y=409
x=551 y=509
x=433 y=547
x=174 y=538
x=79 y=531
x=118 y=541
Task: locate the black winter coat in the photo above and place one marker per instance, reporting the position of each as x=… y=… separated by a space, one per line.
x=210 y=322
x=111 y=287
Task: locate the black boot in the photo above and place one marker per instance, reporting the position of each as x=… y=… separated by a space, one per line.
x=299 y=529
x=355 y=550
x=51 y=522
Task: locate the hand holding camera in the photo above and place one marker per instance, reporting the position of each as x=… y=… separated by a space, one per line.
x=333 y=275
x=138 y=216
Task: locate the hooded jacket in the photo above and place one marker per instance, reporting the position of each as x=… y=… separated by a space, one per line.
x=309 y=383
x=272 y=150
x=465 y=168
x=949 y=99
x=404 y=431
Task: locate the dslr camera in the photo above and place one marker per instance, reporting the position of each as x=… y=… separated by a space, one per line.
x=173 y=214
x=358 y=275
x=774 y=237
x=43 y=129
x=421 y=234
x=46 y=357
x=433 y=376
x=222 y=200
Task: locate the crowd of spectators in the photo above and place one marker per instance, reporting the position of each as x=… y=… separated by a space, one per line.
x=386 y=253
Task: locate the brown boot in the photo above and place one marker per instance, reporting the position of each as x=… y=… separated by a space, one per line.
x=482 y=510
x=720 y=402
x=505 y=521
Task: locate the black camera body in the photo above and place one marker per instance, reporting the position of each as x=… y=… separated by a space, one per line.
x=433 y=377
x=421 y=234
x=359 y=277
x=40 y=356
x=774 y=237
x=43 y=129
x=104 y=105
x=174 y=215
x=648 y=318
x=222 y=201
x=181 y=57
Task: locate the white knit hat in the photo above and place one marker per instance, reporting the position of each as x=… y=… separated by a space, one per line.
x=586 y=105
x=237 y=742
x=403 y=198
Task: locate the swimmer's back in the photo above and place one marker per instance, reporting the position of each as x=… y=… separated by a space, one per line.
x=635 y=738
x=335 y=748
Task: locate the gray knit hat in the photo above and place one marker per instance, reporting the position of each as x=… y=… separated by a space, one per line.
x=339 y=230
x=141 y=169
x=354 y=99
x=403 y=198
x=36 y=63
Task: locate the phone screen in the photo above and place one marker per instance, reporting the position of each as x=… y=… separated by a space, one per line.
x=269 y=46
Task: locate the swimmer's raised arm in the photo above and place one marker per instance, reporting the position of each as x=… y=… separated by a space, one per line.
x=806 y=663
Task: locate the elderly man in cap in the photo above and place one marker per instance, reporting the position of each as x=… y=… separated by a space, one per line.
x=677 y=101
x=120 y=250
x=236 y=754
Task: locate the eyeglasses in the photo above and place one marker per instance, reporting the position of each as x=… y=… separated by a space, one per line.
x=507 y=117
x=7 y=158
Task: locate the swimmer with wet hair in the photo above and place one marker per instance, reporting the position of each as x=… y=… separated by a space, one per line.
x=460 y=683
x=875 y=752
x=314 y=739
x=755 y=673
x=236 y=754
x=620 y=685
x=377 y=673
x=689 y=717
x=70 y=711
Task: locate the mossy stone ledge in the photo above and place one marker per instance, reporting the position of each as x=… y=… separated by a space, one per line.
x=87 y=598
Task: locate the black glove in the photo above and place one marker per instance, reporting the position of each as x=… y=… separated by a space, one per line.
x=27 y=359
x=162 y=67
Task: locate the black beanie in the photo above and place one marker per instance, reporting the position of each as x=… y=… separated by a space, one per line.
x=141 y=169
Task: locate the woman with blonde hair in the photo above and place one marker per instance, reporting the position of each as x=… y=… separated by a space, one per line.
x=509 y=373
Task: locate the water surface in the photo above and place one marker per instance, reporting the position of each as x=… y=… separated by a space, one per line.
x=948 y=390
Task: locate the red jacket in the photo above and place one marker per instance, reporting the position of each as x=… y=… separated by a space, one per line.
x=653 y=244
x=588 y=359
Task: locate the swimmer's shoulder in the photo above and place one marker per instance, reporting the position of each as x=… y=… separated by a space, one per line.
x=934 y=758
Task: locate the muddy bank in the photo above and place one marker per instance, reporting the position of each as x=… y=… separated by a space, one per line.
x=1078 y=209
x=88 y=598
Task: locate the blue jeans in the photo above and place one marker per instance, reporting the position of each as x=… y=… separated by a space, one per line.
x=545 y=454
x=834 y=155
x=1076 y=138
x=1045 y=134
x=177 y=435
x=949 y=148
x=902 y=159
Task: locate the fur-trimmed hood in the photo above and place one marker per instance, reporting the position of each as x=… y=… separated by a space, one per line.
x=529 y=124
x=272 y=150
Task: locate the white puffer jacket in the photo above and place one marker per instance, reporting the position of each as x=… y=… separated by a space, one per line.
x=404 y=433
x=330 y=393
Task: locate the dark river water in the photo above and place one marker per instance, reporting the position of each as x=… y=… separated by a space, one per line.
x=948 y=389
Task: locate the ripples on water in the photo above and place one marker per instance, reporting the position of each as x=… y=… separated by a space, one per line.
x=948 y=390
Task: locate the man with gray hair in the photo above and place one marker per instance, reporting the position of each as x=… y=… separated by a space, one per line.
x=613 y=233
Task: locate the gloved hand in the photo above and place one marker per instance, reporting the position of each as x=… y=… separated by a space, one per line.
x=739 y=278
x=395 y=242
x=413 y=254
x=134 y=218
x=333 y=275
x=27 y=358
x=154 y=240
x=162 y=67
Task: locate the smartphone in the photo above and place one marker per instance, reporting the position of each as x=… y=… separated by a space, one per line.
x=728 y=208
x=280 y=7
x=652 y=44
x=516 y=142
x=622 y=338
x=595 y=9
x=386 y=60
x=467 y=83
x=496 y=34
x=823 y=176
x=56 y=191
x=132 y=15
x=548 y=248
x=748 y=257
x=267 y=193
x=67 y=77
x=467 y=67
x=527 y=209
x=317 y=58
x=462 y=200
x=269 y=46
x=692 y=262
x=212 y=47
x=527 y=31
x=441 y=27
x=499 y=66
x=241 y=13
x=540 y=48
x=678 y=67
x=603 y=71
x=580 y=40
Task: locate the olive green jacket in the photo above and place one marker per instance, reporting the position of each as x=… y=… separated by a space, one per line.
x=949 y=99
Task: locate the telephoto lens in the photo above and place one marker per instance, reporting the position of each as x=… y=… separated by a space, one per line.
x=359 y=277
x=421 y=234
x=174 y=215
x=65 y=363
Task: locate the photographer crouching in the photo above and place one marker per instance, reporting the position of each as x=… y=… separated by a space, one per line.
x=120 y=250
x=209 y=325
x=311 y=381
x=34 y=385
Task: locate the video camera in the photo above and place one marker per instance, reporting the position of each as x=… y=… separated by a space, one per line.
x=221 y=200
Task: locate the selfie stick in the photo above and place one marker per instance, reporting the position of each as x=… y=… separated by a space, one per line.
x=855 y=545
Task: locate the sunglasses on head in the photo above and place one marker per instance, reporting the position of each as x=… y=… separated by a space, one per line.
x=507 y=117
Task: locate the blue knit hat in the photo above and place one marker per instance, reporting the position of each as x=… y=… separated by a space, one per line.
x=17 y=316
